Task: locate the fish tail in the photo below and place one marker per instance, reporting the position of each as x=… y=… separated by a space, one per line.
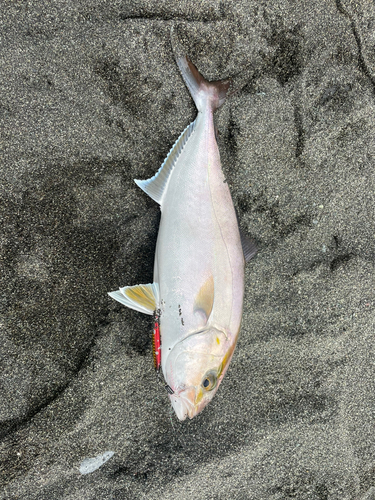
x=204 y=93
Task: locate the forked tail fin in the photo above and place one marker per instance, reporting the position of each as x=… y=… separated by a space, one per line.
x=203 y=92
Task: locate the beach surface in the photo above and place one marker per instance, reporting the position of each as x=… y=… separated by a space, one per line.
x=90 y=99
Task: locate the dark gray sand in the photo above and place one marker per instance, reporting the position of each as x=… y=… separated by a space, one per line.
x=91 y=98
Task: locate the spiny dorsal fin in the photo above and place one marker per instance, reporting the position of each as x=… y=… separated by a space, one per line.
x=248 y=246
x=142 y=298
x=204 y=300
x=156 y=186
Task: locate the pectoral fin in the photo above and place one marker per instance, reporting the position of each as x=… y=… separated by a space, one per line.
x=204 y=300
x=142 y=298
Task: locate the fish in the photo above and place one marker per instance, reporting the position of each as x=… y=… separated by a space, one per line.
x=197 y=293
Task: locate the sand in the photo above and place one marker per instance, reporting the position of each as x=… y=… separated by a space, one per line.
x=91 y=98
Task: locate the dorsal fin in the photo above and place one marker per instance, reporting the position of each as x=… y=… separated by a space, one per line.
x=156 y=186
x=248 y=246
x=142 y=298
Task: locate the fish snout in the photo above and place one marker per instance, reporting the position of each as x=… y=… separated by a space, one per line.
x=184 y=403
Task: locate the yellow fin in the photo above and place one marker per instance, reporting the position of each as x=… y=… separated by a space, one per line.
x=142 y=298
x=204 y=300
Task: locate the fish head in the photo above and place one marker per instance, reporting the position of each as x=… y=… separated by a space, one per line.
x=195 y=368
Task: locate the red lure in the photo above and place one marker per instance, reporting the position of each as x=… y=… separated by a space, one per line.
x=156 y=344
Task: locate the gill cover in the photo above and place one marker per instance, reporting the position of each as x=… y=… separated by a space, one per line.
x=194 y=370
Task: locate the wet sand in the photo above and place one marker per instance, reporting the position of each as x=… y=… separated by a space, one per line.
x=90 y=99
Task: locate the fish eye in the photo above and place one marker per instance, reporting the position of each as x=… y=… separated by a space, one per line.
x=209 y=381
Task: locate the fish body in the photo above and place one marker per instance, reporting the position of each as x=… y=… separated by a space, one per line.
x=199 y=260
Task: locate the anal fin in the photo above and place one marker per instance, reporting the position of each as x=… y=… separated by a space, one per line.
x=156 y=186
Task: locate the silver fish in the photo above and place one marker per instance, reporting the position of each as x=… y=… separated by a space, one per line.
x=198 y=285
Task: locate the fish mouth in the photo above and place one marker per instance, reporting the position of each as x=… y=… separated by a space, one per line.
x=182 y=403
